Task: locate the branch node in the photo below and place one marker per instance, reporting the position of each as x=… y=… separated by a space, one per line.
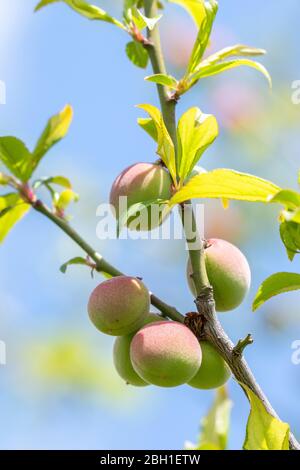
x=241 y=345
x=195 y=322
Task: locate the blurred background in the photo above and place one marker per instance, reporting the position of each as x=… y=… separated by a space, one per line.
x=59 y=389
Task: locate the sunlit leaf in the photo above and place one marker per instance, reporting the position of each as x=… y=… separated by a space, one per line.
x=137 y=54
x=59 y=180
x=288 y=198
x=228 y=184
x=57 y=127
x=196 y=8
x=16 y=157
x=85 y=9
x=164 y=80
x=148 y=125
x=290 y=236
x=4 y=179
x=207 y=69
x=211 y=8
x=215 y=426
x=196 y=132
x=165 y=147
x=264 y=432
x=65 y=198
x=274 y=285
x=12 y=209
x=77 y=260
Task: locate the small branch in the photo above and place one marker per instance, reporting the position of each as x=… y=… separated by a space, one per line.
x=101 y=265
x=241 y=345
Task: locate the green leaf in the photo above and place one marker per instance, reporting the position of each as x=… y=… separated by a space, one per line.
x=12 y=209
x=4 y=179
x=196 y=8
x=59 y=180
x=207 y=69
x=196 y=132
x=164 y=80
x=149 y=126
x=288 y=198
x=226 y=184
x=274 y=285
x=137 y=54
x=91 y=12
x=77 y=260
x=211 y=9
x=264 y=432
x=65 y=199
x=56 y=128
x=215 y=426
x=165 y=147
x=290 y=236
x=16 y=157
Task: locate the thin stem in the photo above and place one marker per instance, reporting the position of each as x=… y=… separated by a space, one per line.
x=101 y=264
x=212 y=329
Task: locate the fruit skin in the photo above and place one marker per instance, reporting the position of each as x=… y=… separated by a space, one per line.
x=119 y=306
x=213 y=372
x=121 y=355
x=228 y=272
x=166 y=354
x=141 y=182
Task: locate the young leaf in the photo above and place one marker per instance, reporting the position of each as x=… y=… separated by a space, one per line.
x=143 y=21
x=59 y=180
x=264 y=432
x=290 y=236
x=288 y=198
x=211 y=9
x=137 y=54
x=238 y=50
x=149 y=126
x=196 y=132
x=65 y=198
x=274 y=285
x=215 y=426
x=4 y=179
x=77 y=260
x=165 y=147
x=227 y=184
x=56 y=128
x=196 y=8
x=164 y=80
x=91 y=12
x=12 y=209
x=207 y=69
x=16 y=157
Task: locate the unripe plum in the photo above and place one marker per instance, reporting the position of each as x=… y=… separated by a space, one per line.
x=166 y=354
x=213 y=372
x=121 y=355
x=119 y=305
x=140 y=183
x=228 y=272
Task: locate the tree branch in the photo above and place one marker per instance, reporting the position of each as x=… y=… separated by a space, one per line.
x=100 y=263
x=211 y=327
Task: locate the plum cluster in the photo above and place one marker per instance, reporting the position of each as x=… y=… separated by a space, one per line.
x=150 y=349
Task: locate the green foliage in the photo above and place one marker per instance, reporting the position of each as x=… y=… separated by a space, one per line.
x=65 y=198
x=56 y=128
x=290 y=236
x=196 y=132
x=196 y=8
x=137 y=54
x=149 y=126
x=165 y=144
x=77 y=260
x=12 y=209
x=164 y=80
x=274 y=285
x=264 y=432
x=226 y=184
x=48 y=180
x=85 y=9
x=215 y=426
x=16 y=157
